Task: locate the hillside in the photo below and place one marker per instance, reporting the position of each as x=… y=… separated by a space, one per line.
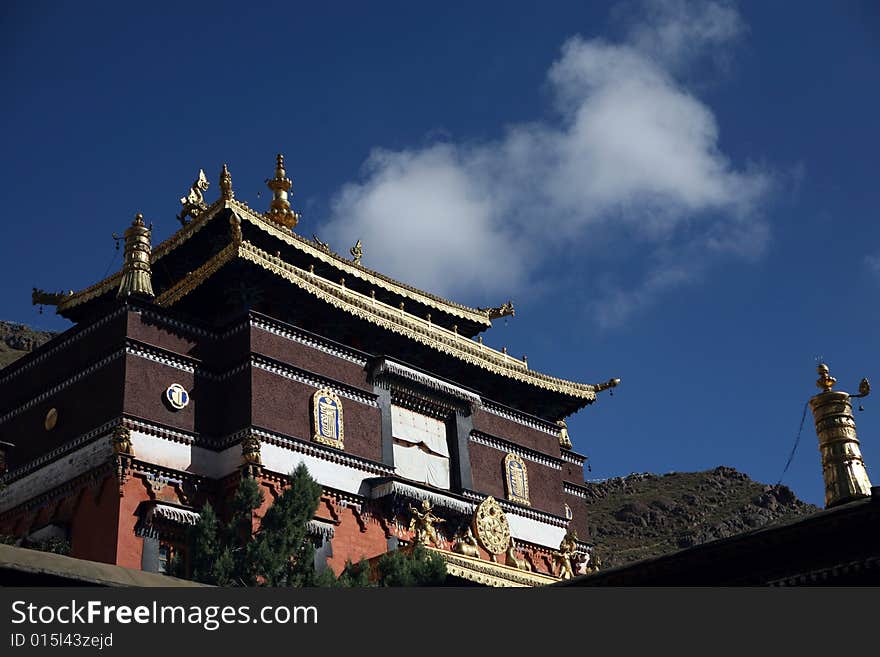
x=17 y=339
x=647 y=515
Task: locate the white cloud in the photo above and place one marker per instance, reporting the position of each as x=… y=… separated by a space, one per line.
x=630 y=155
x=872 y=262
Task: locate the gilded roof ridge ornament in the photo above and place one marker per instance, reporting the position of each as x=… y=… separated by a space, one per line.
x=226 y=192
x=194 y=202
x=136 y=272
x=357 y=252
x=43 y=298
x=610 y=383
x=279 y=207
x=321 y=245
x=504 y=310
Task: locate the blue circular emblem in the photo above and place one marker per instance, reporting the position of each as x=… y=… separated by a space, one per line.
x=177 y=396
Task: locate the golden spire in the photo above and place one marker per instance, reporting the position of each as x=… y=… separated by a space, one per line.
x=226 y=184
x=279 y=208
x=843 y=470
x=136 y=271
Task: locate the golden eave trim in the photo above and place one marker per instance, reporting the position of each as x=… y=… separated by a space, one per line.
x=368 y=275
x=415 y=328
x=489 y=573
x=379 y=314
x=190 y=282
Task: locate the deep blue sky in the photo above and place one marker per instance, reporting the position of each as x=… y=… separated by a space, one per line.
x=110 y=109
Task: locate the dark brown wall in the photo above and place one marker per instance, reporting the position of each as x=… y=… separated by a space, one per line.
x=579 y=514
x=307 y=358
x=284 y=405
x=545 y=483
x=85 y=405
x=75 y=357
x=573 y=473
x=515 y=432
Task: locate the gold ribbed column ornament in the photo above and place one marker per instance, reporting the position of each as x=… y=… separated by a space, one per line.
x=843 y=470
x=279 y=208
x=226 y=184
x=136 y=273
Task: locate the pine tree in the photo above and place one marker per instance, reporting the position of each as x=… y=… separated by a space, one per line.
x=416 y=567
x=281 y=552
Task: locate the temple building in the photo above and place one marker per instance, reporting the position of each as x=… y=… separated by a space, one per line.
x=240 y=348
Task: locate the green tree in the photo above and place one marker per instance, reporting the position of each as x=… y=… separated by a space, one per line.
x=281 y=553
x=416 y=567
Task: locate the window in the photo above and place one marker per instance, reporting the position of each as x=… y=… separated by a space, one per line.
x=164 y=558
x=421 y=450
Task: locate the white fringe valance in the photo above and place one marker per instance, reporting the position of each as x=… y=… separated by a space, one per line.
x=404 y=372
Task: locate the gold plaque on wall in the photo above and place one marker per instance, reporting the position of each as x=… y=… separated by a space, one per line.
x=328 y=427
x=516 y=479
x=51 y=419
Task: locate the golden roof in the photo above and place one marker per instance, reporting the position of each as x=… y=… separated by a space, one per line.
x=302 y=244
x=369 y=308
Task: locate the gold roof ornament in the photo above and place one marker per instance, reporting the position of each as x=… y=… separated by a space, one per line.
x=279 y=208
x=226 y=192
x=357 y=252
x=136 y=272
x=194 y=202
x=504 y=310
x=843 y=469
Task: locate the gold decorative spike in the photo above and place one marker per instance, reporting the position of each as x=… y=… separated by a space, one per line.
x=564 y=438
x=843 y=469
x=136 y=273
x=194 y=202
x=279 y=207
x=504 y=310
x=226 y=192
x=357 y=252
x=422 y=524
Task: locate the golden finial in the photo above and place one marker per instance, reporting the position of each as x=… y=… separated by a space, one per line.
x=226 y=184
x=136 y=272
x=843 y=469
x=825 y=381
x=279 y=208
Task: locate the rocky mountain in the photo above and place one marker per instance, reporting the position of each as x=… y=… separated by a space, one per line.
x=17 y=339
x=646 y=515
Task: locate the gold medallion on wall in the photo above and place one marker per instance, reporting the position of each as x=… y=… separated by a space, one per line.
x=516 y=479
x=51 y=419
x=491 y=527
x=327 y=421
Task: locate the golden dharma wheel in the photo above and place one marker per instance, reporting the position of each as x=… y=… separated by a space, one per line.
x=491 y=527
